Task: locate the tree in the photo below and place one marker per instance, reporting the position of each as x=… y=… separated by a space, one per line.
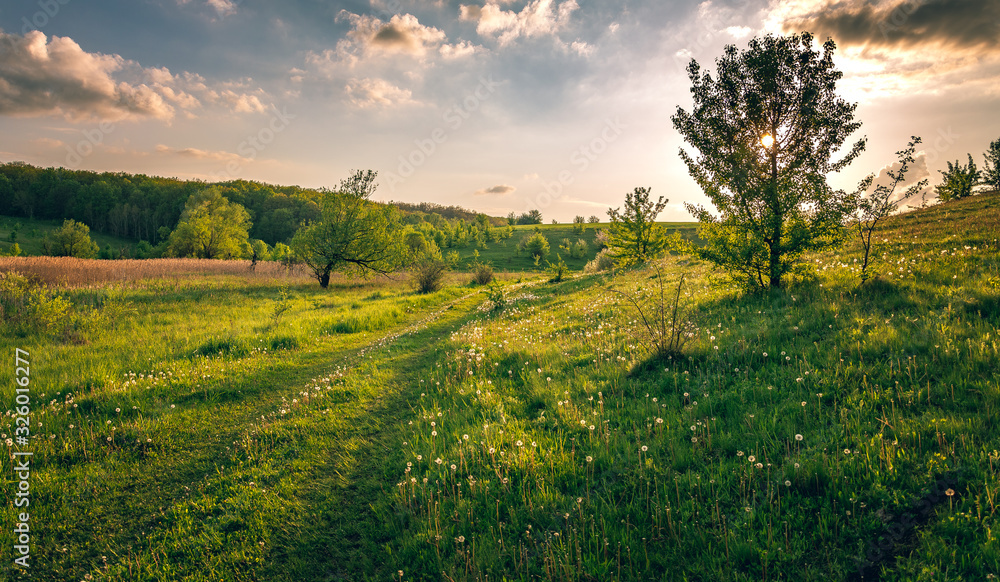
x=765 y=130
x=71 y=240
x=991 y=169
x=578 y=224
x=353 y=233
x=530 y=217
x=634 y=237
x=594 y=219
x=536 y=245
x=211 y=227
x=958 y=181
x=870 y=210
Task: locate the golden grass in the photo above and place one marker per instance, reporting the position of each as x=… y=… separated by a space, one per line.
x=71 y=272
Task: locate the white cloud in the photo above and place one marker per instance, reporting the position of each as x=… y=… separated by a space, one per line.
x=199 y=154
x=42 y=76
x=376 y=93
x=537 y=18
x=222 y=7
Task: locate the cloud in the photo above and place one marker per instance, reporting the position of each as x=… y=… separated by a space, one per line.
x=537 y=18
x=951 y=24
x=222 y=7
x=498 y=190
x=892 y=48
x=376 y=93
x=42 y=77
x=198 y=154
x=403 y=34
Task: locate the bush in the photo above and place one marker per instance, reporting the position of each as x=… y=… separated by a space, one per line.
x=428 y=276
x=71 y=240
x=496 y=294
x=664 y=321
x=482 y=273
x=604 y=261
x=558 y=269
x=26 y=306
x=536 y=245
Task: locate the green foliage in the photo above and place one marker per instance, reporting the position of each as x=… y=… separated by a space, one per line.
x=428 y=275
x=991 y=166
x=72 y=240
x=879 y=205
x=765 y=131
x=959 y=181
x=27 y=307
x=557 y=270
x=530 y=217
x=453 y=258
x=498 y=295
x=604 y=261
x=536 y=245
x=211 y=227
x=13 y=251
x=666 y=324
x=352 y=233
x=281 y=305
x=579 y=224
x=633 y=236
x=482 y=273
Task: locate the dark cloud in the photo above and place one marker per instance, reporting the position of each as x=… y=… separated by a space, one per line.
x=957 y=24
x=498 y=190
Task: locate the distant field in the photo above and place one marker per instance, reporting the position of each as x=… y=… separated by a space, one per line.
x=32 y=233
x=503 y=255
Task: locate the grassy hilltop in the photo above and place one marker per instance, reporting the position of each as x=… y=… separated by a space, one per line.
x=228 y=425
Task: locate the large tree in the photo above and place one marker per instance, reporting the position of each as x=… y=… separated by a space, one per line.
x=633 y=235
x=211 y=227
x=352 y=233
x=959 y=181
x=71 y=240
x=766 y=129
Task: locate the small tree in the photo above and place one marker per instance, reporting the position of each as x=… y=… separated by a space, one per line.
x=71 y=240
x=352 y=233
x=958 y=181
x=536 y=245
x=578 y=225
x=766 y=130
x=594 y=219
x=879 y=204
x=634 y=237
x=211 y=227
x=991 y=169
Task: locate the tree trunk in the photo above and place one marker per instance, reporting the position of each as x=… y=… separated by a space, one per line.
x=324 y=279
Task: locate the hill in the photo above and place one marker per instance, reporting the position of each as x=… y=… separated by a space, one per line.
x=235 y=426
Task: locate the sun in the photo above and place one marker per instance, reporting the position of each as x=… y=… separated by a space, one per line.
x=767 y=141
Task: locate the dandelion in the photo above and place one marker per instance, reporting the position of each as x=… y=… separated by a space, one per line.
x=760 y=465
x=803 y=403
x=519 y=443
x=797 y=465
x=434 y=433
x=453 y=466
x=788 y=483
x=949 y=492
x=751 y=458
x=465 y=437
x=438 y=460
x=589 y=458
x=461 y=539
x=694 y=439
x=798 y=437
x=659 y=421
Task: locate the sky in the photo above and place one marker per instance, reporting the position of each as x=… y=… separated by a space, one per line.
x=498 y=105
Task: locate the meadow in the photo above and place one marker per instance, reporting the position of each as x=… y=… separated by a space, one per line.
x=226 y=426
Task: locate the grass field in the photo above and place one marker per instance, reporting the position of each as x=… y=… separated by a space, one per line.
x=369 y=433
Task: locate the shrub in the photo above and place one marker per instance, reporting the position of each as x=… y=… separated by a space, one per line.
x=604 y=261
x=536 y=245
x=666 y=329
x=428 y=275
x=558 y=269
x=482 y=273
x=496 y=294
x=26 y=306
x=71 y=240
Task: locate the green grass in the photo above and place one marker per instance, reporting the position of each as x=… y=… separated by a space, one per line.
x=308 y=450
x=31 y=236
